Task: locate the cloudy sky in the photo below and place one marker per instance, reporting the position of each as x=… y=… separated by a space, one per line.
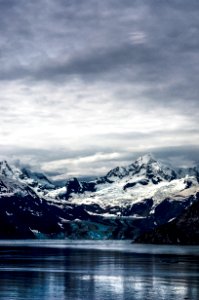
x=86 y=85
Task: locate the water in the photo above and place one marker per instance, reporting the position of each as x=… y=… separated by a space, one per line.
x=101 y=270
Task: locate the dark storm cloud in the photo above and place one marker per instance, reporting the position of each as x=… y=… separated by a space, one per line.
x=95 y=64
x=101 y=65
x=96 y=40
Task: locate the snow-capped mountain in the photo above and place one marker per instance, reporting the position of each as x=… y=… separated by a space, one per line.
x=122 y=187
x=10 y=187
x=36 y=180
x=147 y=192
x=124 y=203
x=145 y=167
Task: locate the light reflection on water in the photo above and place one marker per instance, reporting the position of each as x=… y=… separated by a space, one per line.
x=97 y=270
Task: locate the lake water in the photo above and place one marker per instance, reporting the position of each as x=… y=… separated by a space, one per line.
x=101 y=270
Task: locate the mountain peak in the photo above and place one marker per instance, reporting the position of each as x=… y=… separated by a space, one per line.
x=146 y=166
x=145 y=159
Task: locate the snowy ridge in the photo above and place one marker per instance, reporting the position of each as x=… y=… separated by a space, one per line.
x=145 y=166
x=115 y=195
x=143 y=179
x=38 y=182
x=10 y=187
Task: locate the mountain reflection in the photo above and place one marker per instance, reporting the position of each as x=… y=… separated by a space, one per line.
x=78 y=273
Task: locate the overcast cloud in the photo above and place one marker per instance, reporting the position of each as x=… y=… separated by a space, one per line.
x=89 y=84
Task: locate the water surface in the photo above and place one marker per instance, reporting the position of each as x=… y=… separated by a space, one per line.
x=97 y=270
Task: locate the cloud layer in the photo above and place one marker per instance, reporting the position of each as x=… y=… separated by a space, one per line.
x=85 y=85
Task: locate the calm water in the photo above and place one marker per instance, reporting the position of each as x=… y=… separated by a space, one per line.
x=101 y=270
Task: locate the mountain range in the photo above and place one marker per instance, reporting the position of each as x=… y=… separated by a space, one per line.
x=144 y=201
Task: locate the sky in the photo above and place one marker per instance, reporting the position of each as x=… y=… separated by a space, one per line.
x=86 y=85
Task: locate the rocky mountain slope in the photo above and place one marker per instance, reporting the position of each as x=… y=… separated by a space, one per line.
x=125 y=203
x=183 y=230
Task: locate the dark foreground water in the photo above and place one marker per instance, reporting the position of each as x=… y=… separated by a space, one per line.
x=102 y=270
